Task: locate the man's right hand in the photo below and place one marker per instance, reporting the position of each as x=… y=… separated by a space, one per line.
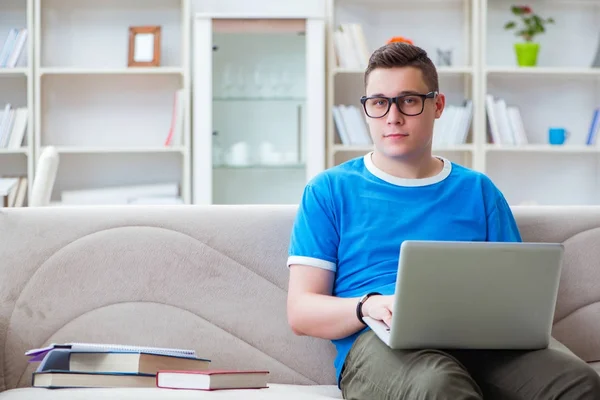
x=379 y=308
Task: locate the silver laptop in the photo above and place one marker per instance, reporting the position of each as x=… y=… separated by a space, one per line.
x=473 y=295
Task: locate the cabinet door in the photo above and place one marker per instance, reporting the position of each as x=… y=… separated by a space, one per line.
x=259 y=89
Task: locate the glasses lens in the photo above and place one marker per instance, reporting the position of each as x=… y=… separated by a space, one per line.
x=376 y=107
x=411 y=105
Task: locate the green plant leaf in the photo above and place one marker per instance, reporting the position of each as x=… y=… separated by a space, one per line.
x=516 y=10
x=510 y=25
x=550 y=20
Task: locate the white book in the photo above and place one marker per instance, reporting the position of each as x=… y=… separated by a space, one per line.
x=21 y=193
x=503 y=123
x=7 y=129
x=107 y=348
x=466 y=122
x=360 y=44
x=6 y=185
x=18 y=48
x=3 y=122
x=175 y=137
x=493 y=119
x=516 y=122
x=19 y=128
x=8 y=46
x=339 y=124
x=358 y=125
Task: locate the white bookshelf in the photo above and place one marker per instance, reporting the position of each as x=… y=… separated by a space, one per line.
x=17 y=88
x=561 y=91
x=108 y=121
x=430 y=24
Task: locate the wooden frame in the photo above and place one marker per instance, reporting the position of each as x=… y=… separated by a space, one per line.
x=142 y=52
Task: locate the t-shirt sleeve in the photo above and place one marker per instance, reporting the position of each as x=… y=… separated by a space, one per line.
x=314 y=238
x=501 y=224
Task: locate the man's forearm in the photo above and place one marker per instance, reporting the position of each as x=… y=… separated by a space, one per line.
x=323 y=316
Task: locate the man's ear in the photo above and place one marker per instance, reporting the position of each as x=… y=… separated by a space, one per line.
x=440 y=104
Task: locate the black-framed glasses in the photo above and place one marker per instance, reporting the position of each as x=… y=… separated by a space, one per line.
x=409 y=104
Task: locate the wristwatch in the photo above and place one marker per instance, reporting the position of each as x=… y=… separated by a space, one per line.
x=362 y=300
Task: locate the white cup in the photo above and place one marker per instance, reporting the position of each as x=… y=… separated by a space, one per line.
x=238 y=154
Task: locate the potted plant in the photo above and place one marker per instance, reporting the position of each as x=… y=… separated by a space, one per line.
x=531 y=25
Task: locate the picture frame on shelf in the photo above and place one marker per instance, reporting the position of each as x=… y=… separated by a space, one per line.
x=144 y=46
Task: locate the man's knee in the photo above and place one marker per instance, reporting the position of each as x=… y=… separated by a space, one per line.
x=580 y=382
x=443 y=383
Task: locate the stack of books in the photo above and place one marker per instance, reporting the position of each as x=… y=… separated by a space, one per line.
x=91 y=365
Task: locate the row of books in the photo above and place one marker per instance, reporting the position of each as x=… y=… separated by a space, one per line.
x=13 y=124
x=505 y=122
x=94 y=365
x=450 y=129
x=453 y=126
x=13 y=191
x=350 y=45
x=351 y=125
x=13 y=47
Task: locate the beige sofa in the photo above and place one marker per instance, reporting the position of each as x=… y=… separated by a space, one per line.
x=213 y=279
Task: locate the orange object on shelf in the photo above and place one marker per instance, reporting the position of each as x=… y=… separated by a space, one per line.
x=399 y=39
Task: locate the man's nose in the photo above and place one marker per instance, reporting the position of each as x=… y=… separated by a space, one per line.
x=394 y=115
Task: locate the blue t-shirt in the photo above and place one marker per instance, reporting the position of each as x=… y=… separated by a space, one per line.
x=352 y=219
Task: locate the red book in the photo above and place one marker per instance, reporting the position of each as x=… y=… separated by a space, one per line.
x=212 y=379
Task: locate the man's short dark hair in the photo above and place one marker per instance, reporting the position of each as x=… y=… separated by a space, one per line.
x=399 y=54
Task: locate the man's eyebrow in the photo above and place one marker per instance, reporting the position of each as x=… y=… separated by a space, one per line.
x=402 y=93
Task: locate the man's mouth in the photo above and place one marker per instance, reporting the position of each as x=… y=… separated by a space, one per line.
x=396 y=134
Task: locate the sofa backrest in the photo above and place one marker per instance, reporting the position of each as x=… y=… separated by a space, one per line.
x=577 y=313
x=211 y=278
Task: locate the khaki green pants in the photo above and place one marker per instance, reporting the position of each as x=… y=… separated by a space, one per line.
x=373 y=371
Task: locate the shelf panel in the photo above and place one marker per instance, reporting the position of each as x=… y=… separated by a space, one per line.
x=544 y=148
x=14 y=72
x=22 y=150
x=356 y=148
x=441 y=71
x=519 y=71
x=108 y=150
x=112 y=71
x=293 y=99
x=261 y=166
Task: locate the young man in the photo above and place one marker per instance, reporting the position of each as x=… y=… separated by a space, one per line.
x=345 y=241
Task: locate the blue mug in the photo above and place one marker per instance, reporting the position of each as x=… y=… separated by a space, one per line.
x=557 y=136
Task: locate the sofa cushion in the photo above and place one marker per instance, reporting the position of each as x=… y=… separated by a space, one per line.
x=275 y=391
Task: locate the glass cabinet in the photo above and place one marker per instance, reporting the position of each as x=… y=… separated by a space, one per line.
x=258 y=108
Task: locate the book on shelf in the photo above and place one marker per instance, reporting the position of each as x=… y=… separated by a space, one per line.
x=13 y=124
x=592 y=138
x=12 y=49
x=505 y=123
x=350 y=46
x=351 y=125
x=175 y=135
x=13 y=191
x=452 y=128
x=212 y=379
